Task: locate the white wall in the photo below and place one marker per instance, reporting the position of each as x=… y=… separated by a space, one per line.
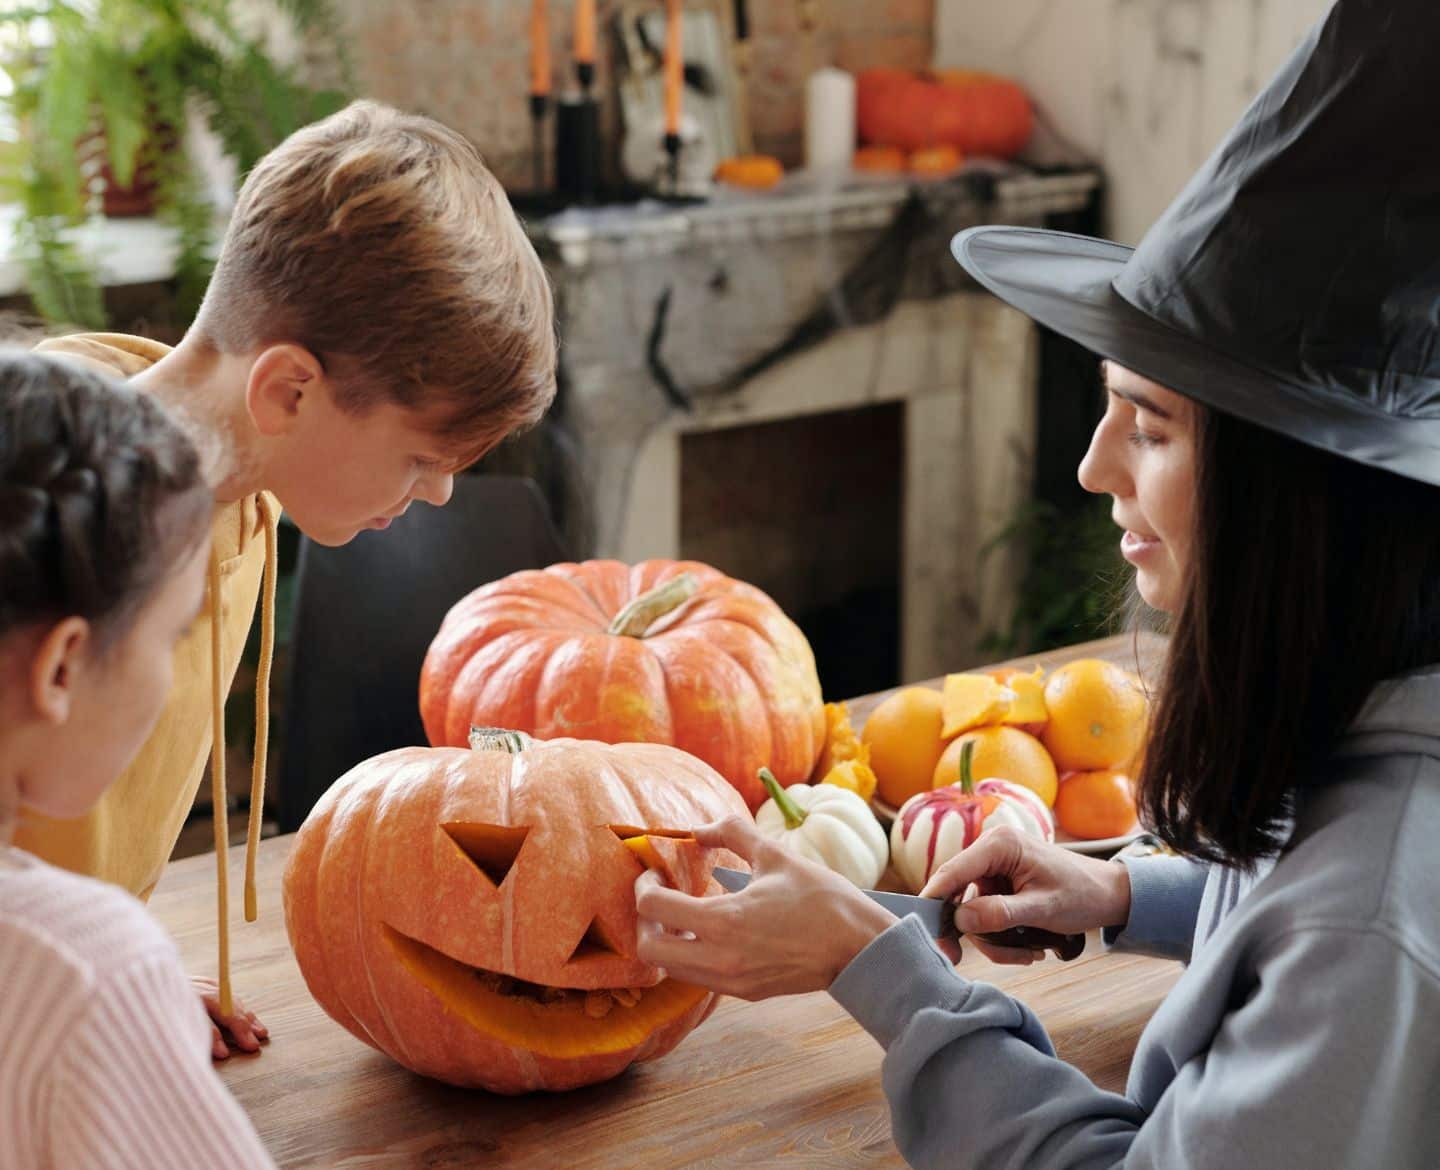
x=1147 y=88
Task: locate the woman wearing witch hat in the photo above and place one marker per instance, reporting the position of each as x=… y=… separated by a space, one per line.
x=1271 y=443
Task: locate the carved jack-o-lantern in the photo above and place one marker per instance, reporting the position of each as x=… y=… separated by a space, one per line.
x=472 y=913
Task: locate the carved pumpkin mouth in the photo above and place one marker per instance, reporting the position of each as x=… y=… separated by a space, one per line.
x=549 y=1021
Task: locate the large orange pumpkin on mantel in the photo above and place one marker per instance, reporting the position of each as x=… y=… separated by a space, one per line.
x=660 y=652
x=471 y=912
x=977 y=113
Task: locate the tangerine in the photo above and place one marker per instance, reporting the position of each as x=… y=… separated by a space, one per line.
x=903 y=735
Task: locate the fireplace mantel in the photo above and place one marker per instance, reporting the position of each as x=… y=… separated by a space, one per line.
x=663 y=309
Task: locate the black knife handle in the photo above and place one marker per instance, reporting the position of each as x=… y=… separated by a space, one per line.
x=1065 y=946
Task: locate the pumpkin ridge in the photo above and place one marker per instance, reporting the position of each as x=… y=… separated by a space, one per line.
x=585 y=582
x=776 y=715
x=524 y=657
x=573 y=590
x=372 y=811
x=755 y=698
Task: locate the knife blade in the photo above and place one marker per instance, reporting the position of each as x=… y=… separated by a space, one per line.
x=937 y=916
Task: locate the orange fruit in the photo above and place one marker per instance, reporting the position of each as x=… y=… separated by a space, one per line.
x=1096 y=715
x=935 y=160
x=1004 y=752
x=1027 y=712
x=1091 y=805
x=903 y=735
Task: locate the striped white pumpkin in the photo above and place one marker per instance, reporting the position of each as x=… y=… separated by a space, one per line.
x=932 y=827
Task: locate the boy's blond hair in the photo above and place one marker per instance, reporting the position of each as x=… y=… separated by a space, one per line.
x=382 y=243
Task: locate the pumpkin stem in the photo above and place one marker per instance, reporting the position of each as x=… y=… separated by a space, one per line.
x=794 y=815
x=967 y=779
x=650 y=607
x=499 y=739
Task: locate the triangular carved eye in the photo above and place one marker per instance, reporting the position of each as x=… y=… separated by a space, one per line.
x=595 y=943
x=624 y=831
x=493 y=848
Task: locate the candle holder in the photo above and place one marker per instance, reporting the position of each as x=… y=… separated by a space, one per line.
x=539 y=107
x=577 y=149
x=672 y=152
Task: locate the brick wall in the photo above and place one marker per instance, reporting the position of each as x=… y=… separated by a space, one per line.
x=465 y=62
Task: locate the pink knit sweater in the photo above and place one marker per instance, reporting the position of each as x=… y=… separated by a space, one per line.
x=104 y=1046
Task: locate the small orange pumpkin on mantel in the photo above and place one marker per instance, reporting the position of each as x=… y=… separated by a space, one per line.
x=664 y=651
x=471 y=912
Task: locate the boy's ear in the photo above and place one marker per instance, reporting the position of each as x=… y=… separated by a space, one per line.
x=280 y=378
x=55 y=671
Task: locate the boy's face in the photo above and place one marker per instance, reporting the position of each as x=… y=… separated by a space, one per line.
x=338 y=473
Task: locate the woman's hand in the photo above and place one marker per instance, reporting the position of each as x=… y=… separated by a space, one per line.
x=243 y=1028
x=792 y=929
x=1053 y=889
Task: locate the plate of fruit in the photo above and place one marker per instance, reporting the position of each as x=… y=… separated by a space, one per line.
x=1052 y=754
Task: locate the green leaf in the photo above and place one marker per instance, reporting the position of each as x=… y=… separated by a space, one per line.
x=123 y=108
x=66 y=95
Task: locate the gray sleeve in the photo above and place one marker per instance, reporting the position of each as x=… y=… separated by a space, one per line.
x=1165 y=895
x=972 y=1080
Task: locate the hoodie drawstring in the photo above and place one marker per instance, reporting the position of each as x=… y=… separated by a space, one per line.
x=217 y=783
x=219 y=799
x=262 y=701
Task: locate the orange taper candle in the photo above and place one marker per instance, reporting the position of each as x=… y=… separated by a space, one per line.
x=584 y=32
x=674 y=64
x=539 y=49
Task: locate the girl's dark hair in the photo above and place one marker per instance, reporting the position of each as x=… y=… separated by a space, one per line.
x=1312 y=579
x=101 y=494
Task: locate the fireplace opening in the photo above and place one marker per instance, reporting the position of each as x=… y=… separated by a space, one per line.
x=809 y=510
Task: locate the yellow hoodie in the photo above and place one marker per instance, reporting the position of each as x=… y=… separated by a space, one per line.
x=128 y=837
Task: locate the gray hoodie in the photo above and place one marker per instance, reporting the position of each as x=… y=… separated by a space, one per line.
x=1304 y=1033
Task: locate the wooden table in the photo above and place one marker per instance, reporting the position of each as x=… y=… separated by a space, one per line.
x=789 y=1082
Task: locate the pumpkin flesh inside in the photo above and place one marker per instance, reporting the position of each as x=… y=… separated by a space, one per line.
x=564 y=1023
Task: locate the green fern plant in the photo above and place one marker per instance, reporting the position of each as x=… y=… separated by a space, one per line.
x=122 y=74
x=1074 y=583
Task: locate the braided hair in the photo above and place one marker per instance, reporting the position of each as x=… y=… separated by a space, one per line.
x=101 y=494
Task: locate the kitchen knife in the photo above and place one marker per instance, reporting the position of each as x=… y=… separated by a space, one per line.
x=937 y=916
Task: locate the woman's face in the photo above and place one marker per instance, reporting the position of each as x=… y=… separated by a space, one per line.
x=77 y=743
x=1143 y=456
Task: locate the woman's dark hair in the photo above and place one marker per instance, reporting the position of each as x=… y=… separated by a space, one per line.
x=1312 y=579
x=101 y=494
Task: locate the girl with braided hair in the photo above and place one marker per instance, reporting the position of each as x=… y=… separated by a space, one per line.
x=105 y=524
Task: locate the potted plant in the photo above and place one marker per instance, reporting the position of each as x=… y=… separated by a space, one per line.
x=103 y=92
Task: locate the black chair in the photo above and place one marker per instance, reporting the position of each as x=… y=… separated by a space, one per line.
x=365 y=614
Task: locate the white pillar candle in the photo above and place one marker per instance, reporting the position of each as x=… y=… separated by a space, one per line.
x=829 y=119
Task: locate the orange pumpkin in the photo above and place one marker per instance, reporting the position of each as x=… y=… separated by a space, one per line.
x=977 y=113
x=880 y=160
x=935 y=161
x=471 y=913
x=754 y=171
x=664 y=652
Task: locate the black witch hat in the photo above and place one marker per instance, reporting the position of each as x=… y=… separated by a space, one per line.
x=1295 y=282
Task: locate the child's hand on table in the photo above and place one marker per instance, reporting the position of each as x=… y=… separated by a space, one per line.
x=243 y=1029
